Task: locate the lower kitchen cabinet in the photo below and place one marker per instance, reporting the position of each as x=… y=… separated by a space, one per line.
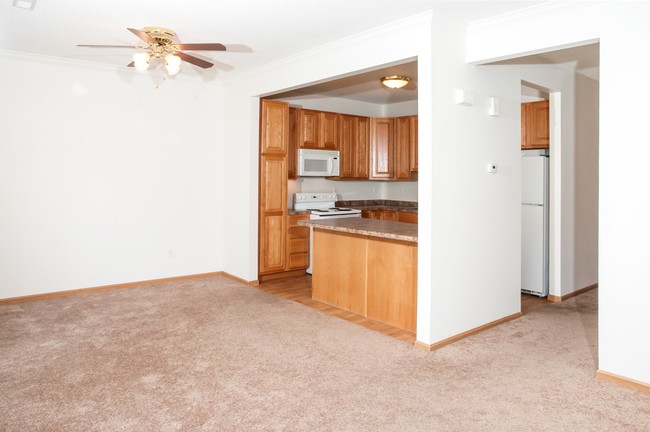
x=391 y=215
x=409 y=217
x=297 y=243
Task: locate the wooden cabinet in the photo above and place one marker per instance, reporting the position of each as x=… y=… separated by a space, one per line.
x=413 y=142
x=393 y=148
x=409 y=217
x=292 y=151
x=297 y=243
x=329 y=130
x=318 y=130
x=362 y=127
x=391 y=215
x=353 y=145
x=535 y=129
x=381 y=148
x=274 y=140
x=273 y=213
x=308 y=129
x=402 y=148
x=274 y=127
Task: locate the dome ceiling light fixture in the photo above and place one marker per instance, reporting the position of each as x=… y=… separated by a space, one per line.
x=395 y=81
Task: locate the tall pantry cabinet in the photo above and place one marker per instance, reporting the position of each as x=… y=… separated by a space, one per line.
x=274 y=143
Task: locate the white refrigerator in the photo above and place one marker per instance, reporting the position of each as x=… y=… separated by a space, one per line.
x=534 y=222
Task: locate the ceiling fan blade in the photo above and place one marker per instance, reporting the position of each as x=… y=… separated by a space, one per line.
x=194 y=60
x=201 y=46
x=132 y=64
x=110 y=46
x=142 y=35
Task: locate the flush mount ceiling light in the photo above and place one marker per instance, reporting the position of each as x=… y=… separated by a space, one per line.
x=395 y=81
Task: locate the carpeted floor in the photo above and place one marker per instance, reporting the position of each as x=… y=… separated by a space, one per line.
x=212 y=355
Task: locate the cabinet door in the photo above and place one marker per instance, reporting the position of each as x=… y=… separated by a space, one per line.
x=273 y=208
x=274 y=124
x=389 y=215
x=347 y=146
x=292 y=149
x=535 y=130
x=329 y=130
x=362 y=132
x=381 y=148
x=309 y=129
x=402 y=148
x=409 y=217
x=413 y=142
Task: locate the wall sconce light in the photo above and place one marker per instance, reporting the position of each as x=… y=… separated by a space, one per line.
x=395 y=81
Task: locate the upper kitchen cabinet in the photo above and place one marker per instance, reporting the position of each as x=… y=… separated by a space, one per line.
x=413 y=142
x=318 y=129
x=353 y=145
x=393 y=148
x=294 y=136
x=535 y=125
x=381 y=148
x=274 y=127
x=402 y=148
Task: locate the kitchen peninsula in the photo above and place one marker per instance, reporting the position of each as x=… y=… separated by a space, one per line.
x=368 y=267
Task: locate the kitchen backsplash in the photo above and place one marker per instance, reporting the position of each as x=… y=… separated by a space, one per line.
x=355 y=190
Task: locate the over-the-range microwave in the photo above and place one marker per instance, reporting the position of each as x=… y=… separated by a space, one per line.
x=318 y=163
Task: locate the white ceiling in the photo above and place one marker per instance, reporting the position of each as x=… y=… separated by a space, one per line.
x=254 y=31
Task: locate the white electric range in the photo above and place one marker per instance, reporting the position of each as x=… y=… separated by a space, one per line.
x=321 y=205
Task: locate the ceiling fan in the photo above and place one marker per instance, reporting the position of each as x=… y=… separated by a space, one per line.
x=161 y=46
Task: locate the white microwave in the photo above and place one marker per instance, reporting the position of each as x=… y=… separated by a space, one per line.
x=318 y=163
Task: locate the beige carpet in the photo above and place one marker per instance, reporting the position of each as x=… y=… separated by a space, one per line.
x=213 y=355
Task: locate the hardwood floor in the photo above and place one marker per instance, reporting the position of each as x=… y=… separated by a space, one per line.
x=298 y=289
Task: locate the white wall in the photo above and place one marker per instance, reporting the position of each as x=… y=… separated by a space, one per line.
x=101 y=173
x=475 y=219
x=624 y=324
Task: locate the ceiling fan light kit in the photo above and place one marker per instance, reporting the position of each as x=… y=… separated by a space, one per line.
x=161 y=47
x=395 y=81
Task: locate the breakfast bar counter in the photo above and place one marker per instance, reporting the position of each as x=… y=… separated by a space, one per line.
x=368 y=267
x=369 y=227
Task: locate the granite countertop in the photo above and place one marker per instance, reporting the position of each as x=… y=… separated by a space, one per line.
x=370 y=227
x=409 y=206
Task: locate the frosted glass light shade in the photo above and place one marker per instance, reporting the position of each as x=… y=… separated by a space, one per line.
x=395 y=81
x=141 y=61
x=172 y=64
